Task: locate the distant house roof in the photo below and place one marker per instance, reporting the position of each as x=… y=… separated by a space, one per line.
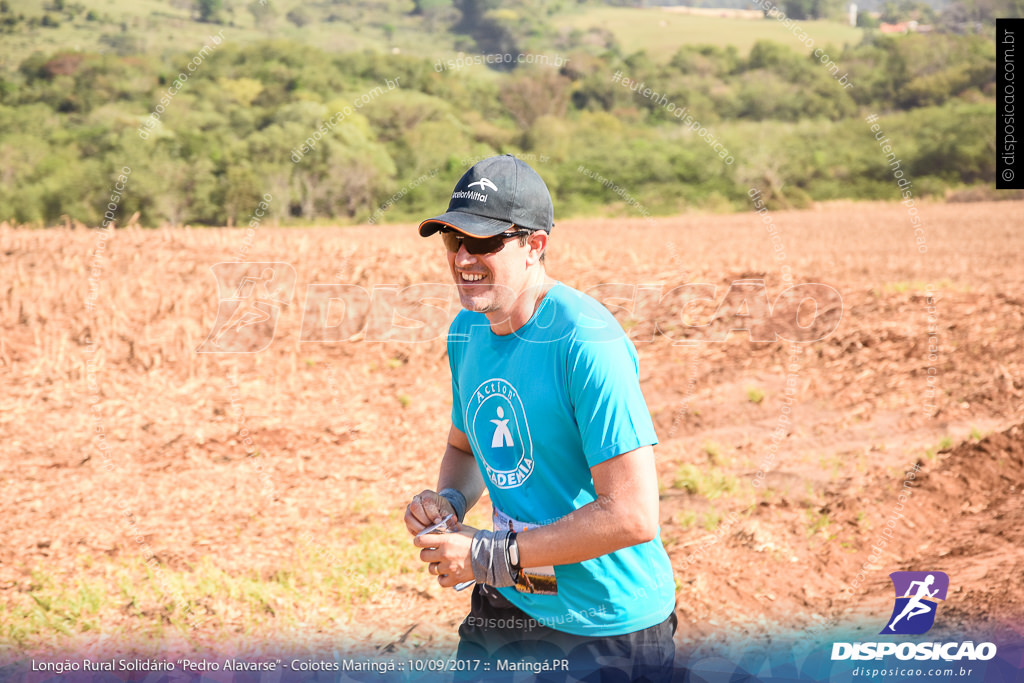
x=901 y=27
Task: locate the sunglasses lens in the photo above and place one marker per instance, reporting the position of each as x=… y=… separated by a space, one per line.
x=484 y=245
x=474 y=245
x=451 y=241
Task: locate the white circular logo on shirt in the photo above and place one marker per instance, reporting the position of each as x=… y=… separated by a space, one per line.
x=498 y=431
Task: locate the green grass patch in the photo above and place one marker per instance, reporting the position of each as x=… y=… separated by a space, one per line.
x=317 y=588
x=52 y=607
x=834 y=462
x=713 y=451
x=945 y=443
x=712 y=520
x=661 y=33
x=920 y=286
x=818 y=522
x=705 y=481
x=689 y=519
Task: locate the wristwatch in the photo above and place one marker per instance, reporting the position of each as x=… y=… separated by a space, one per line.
x=513 y=555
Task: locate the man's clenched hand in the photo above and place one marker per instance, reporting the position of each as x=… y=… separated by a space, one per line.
x=448 y=556
x=426 y=508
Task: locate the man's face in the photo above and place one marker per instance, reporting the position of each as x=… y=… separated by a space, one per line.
x=491 y=283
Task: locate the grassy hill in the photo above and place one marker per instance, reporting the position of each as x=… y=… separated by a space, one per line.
x=383 y=26
x=159 y=27
x=354 y=84
x=661 y=33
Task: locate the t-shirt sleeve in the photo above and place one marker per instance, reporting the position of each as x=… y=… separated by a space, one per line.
x=456 y=344
x=604 y=387
x=457 y=407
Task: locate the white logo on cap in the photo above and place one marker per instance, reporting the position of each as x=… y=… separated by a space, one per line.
x=484 y=183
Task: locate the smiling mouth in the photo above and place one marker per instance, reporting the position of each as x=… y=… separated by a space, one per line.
x=471 y=278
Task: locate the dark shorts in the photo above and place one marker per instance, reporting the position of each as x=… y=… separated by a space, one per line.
x=498 y=641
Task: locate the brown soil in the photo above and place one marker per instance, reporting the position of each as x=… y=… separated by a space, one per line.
x=349 y=430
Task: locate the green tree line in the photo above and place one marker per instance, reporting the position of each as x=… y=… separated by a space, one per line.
x=230 y=133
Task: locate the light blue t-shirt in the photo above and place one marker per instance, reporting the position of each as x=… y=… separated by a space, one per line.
x=541 y=406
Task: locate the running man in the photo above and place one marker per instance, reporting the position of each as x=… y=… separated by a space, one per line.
x=548 y=415
x=248 y=313
x=916 y=605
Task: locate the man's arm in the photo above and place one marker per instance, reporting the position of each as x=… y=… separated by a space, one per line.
x=624 y=514
x=458 y=471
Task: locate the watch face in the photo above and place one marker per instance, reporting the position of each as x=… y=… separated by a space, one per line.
x=513 y=553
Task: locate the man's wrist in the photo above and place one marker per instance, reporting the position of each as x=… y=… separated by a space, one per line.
x=489 y=553
x=457 y=500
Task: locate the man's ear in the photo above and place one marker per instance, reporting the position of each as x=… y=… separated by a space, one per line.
x=538 y=243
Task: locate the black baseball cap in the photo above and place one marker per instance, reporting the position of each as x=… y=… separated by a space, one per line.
x=494 y=195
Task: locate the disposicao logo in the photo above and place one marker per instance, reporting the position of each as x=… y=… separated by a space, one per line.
x=251 y=296
x=917 y=595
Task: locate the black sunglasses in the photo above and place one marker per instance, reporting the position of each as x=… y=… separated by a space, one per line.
x=478 y=245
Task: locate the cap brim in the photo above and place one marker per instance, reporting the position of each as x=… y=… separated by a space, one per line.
x=471 y=224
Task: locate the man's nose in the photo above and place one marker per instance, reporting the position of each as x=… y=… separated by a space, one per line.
x=463 y=257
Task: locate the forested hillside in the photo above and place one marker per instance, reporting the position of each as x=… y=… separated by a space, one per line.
x=391 y=131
